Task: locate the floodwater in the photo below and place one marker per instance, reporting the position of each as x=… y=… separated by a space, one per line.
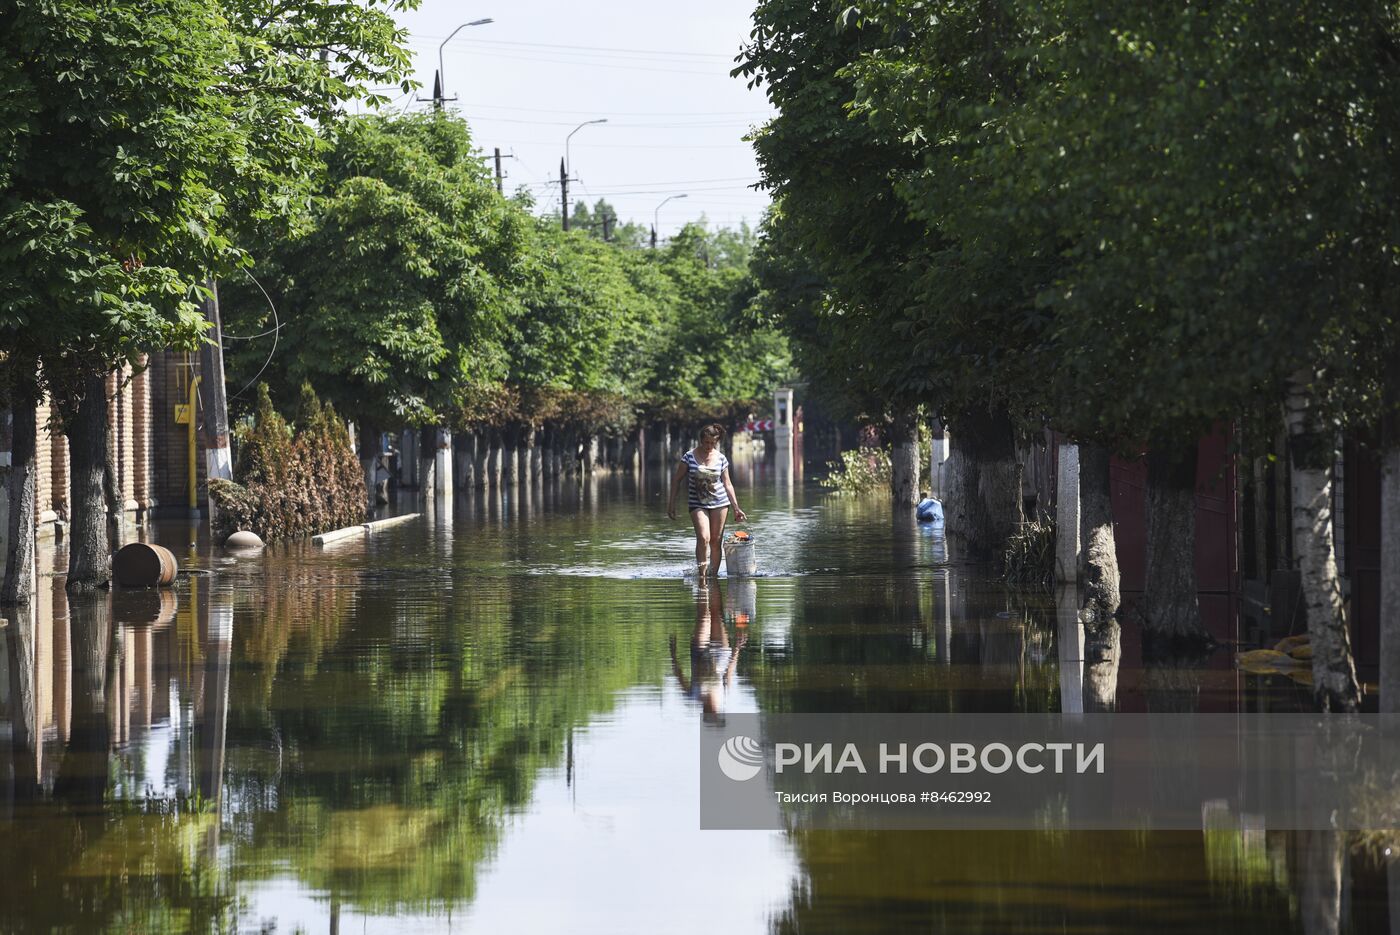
x=487 y=721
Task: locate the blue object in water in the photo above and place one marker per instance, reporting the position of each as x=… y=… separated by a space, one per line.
x=929 y=510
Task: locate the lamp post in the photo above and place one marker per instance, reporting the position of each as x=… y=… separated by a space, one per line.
x=440 y=85
x=656 y=217
x=566 y=167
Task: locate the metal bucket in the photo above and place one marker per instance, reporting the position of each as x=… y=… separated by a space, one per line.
x=739 y=557
x=143 y=565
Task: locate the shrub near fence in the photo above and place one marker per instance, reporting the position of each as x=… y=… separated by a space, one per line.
x=295 y=481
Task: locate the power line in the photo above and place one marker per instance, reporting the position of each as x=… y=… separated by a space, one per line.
x=626 y=113
x=587 y=48
x=625 y=187
x=714 y=125
x=590 y=64
x=668 y=190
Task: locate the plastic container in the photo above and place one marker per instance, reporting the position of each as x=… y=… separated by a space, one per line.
x=739 y=557
x=929 y=510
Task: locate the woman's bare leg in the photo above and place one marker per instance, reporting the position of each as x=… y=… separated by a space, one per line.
x=702 y=539
x=716 y=531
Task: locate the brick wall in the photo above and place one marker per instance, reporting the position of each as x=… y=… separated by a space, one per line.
x=150 y=451
x=121 y=447
x=44 y=506
x=141 y=436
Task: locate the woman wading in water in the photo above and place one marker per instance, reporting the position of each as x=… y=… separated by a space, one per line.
x=709 y=494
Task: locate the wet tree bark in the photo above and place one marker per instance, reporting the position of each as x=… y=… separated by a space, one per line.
x=510 y=455
x=1171 y=611
x=493 y=460
x=480 y=457
x=1311 y=454
x=427 y=461
x=1390 y=544
x=529 y=456
x=904 y=458
x=1098 y=572
x=983 y=507
x=19 y=536
x=89 y=554
x=464 y=462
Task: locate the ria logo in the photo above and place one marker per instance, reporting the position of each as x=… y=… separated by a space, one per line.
x=741 y=758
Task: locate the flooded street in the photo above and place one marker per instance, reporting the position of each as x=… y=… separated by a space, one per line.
x=486 y=721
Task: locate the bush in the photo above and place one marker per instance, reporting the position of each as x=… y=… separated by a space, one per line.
x=1029 y=559
x=294 y=482
x=860 y=470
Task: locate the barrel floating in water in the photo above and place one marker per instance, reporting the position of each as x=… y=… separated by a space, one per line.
x=143 y=565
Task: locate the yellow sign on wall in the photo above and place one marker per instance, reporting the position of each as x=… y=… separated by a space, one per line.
x=182 y=413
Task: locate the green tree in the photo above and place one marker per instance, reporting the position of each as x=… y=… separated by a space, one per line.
x=137 y=142
x=396 y=295
x=836 y=182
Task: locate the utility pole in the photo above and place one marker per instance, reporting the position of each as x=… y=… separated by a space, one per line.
x=500 y=179
x=565 y=166
x=608 y=221
x=564 y=191
x=437 y=90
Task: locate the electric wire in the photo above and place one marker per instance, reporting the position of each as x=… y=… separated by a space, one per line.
x=276 y=336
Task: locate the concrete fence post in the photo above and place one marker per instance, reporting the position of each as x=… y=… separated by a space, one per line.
x=1067 y=515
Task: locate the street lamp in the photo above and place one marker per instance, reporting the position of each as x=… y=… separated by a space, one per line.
x=566 y=168
x=440 y=90
x=656 y=217
x=569 y=166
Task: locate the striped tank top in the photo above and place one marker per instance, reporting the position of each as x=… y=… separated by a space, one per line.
x=705 y=490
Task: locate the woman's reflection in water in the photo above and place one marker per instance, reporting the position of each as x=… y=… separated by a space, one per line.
x=712 y=658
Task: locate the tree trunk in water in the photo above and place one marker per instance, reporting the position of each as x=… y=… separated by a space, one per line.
x=509 y=455
x=1098 y=572
x=465 y=462
x=1311 y=454
x=1103 y=650
x=427 y=461
x=984 y=500
x=904 y=459
x=480 y=460
x=89 y=557
x=1390 y=548
x=529 y=451
x=25 y=726
x=1171 y=610
x=493 y=460
x=19 y=537
x=369 y=460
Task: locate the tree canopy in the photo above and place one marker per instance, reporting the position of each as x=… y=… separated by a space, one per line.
x=138 y=142
x=414 y=294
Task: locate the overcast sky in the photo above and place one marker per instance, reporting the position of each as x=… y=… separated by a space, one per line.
x=658 y=70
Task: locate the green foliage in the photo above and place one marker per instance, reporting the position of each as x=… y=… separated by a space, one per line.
x=417 y=294
x=137 y=139
x=1133 y=220
x=295 y=482
x=399 y=290
x=859 y=471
